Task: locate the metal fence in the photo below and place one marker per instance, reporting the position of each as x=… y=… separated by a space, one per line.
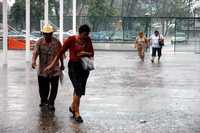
x=182 y=33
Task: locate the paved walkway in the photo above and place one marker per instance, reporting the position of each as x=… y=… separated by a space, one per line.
x=124 y=95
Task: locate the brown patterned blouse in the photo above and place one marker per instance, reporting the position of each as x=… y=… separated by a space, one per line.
x=47 y=52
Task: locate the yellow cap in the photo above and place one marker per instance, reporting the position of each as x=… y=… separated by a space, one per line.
x=47 y=29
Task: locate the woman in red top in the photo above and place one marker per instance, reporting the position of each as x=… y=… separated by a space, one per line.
x=79 y=46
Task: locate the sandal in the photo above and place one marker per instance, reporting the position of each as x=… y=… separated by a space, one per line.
x=78 y=119
x=70 y=110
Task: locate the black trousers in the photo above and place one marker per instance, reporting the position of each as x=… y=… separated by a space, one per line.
x=78 y=77
x=48 y=88
x=156 y=50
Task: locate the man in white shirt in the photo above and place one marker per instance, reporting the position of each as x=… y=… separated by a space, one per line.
x=155 y=40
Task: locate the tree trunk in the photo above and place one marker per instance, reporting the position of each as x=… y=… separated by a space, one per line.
x=112 y=2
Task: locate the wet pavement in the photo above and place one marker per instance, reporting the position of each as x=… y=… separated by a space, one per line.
x=123 y=95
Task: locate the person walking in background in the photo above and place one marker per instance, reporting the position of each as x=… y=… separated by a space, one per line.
x=47 y=48
x=157 y=42
x=79 y=46
x=141 y=44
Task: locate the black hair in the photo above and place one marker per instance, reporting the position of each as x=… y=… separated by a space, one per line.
x=84 y=28
x=45 y=34
x=156 y=32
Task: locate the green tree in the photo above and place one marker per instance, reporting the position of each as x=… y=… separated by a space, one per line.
x=170 y=8
x=37 y=13
x=99 y=11
x=17 y=15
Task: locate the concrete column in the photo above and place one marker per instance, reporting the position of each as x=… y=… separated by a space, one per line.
x=5 y=32
x=61 y=21
x=46 y=11
x=27 y=30
x=74 y=17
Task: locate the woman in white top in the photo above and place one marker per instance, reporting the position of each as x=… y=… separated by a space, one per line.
x=141 y=44
x=155 y=40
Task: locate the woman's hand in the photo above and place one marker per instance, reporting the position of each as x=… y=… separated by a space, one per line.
x=48 y=68
x=83 y=53
x=52 y=65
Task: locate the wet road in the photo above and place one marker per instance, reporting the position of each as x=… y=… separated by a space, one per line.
x=123 y=95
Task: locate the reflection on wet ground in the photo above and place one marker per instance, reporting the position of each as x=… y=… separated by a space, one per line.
x=124 y=95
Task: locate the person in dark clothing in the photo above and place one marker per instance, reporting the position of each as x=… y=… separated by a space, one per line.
x=46 y=48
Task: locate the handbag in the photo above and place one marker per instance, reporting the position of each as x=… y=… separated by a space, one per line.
x=87 y=63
